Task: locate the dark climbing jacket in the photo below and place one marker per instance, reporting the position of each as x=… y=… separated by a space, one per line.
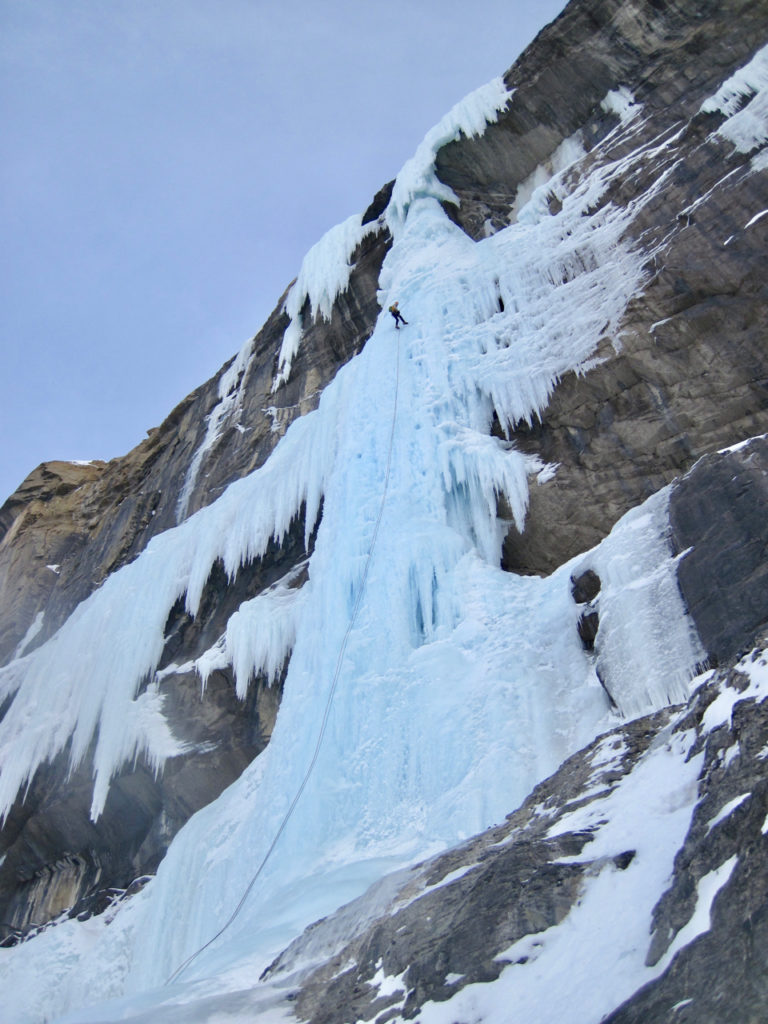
x=398 y=316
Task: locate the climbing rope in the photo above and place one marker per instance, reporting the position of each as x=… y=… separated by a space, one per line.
x=358 y=601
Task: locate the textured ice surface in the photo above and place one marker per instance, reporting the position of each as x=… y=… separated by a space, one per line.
x=417 y=178
x=648 y=649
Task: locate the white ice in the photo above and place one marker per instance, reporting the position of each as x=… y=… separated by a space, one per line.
x=743 y=99
x=324 y=274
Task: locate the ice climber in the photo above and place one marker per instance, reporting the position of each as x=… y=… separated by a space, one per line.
x=399 y=319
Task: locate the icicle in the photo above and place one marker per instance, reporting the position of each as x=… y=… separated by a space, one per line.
x=417 y=178
x=743 y=99
x=230 y=392
x=323 y=276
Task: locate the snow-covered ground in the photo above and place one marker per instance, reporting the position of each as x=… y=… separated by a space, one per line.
x=427 y=690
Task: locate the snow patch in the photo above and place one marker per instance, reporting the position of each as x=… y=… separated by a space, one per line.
x=731 y=754
x=622 y=103
x=728 y=809
x=387 y=985
x=720 y=711
x=755 y=219
x=701 y=919
x=741 y=445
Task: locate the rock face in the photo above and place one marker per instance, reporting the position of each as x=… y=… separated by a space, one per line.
x=719 y=525
x=616 y=89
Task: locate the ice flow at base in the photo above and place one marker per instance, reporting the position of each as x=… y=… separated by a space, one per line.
x=461 y=685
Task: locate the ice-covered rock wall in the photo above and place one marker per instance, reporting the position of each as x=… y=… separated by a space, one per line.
x=387 y=528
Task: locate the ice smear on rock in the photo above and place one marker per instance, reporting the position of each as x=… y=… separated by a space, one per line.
x=259 y=637
x=566 y=154
x=648 y=649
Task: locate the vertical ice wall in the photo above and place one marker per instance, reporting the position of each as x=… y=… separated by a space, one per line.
x=460 y=686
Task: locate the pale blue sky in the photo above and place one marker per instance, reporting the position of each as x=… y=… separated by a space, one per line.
x=166 y=164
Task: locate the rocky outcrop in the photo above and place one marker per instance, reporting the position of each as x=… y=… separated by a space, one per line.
x=717 y=514
x=720 y=976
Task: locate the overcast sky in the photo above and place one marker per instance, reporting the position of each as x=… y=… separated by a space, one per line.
x=166 y=164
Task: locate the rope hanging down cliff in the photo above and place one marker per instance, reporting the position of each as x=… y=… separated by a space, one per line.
x=358 y=601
